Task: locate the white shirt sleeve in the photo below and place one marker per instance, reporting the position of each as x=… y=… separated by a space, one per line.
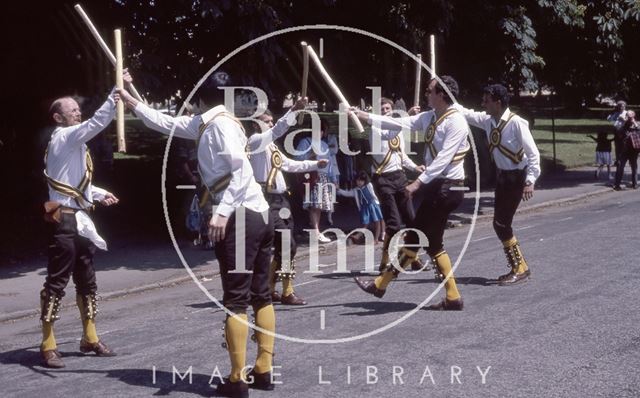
x=97 y=193
x=476 y=119
x=259 y=141
x=224 y=137
x=185 y=126
x=407 y=163
x=530 y=149
x=298 y=166
x=395 y=126
x=456 y=134
x=88 y=129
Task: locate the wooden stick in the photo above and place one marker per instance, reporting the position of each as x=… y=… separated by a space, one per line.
x=122 y=145
x=416 y=94
x=334 y=87
x=432 y=42
x=305 y=74
x=104 y=46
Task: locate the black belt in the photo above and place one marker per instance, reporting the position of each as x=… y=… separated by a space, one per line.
x=263 y=185
x=389 y=173
x=458 y=183
x=511 y=172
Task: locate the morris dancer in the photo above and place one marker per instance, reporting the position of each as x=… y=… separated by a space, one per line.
x=225 y=169
x=268 y=166
x=440 y=186
x=517 y=159
x=390 y=181
x=73 y=236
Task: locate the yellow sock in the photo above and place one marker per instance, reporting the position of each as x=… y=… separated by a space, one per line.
x=513 y=243
x=443 y=262
x=272 y=276
x=48 y=339
x=287 y=287
x=385 y=250
x=406 y=257
x=89 y=333
x=383 y=280
x=510 y=242
x=266 y=319
x=236 y=333
x=522 y=267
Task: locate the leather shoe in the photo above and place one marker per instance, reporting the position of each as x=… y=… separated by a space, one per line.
x=418 y=265
x=51 y=359
x=370 y=287
x=238 y=389
x=99 y=348
x=260 y=381
x=447 y=305
x=276 y=297
x=505 y=276
x=514 y=278
x=292 y=299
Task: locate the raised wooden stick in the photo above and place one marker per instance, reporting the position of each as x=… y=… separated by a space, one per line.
x=416 y=93
x=432 y=42
x=334 y=87
x=305 y=74
x=122 y=145
x=104 y=46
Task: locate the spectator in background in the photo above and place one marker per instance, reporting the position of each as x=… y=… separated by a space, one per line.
x=603 y=153
x=618 y=117
x=334 y=170
x=630 y=148
x=368 y=205
x=318 y=192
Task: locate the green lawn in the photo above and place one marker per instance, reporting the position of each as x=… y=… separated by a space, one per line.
x=573 y=147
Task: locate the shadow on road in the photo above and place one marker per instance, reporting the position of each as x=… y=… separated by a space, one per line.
x=164 y=381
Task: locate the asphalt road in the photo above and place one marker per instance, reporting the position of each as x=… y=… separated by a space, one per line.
x=573 y=330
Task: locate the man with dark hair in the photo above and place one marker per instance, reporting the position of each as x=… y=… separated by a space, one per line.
x=517 y=159
x=389 y=159
x=225 y=169
x=440 y=185
x=74 y=239
x=268 y=166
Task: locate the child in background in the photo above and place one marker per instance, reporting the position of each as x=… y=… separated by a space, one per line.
x=368 y=205
x=603 y=153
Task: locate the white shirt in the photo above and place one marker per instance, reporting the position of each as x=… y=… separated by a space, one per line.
x=261 y=163
x=398 y=159
x=450 y=138
x=66 y=162
x=515 y=136
x=221 y=151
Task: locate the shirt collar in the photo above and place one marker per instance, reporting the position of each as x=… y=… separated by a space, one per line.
x=213 y=112
x=505 y=115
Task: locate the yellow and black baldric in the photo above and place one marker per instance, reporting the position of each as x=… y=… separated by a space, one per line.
x=276 y=165
x=204 y=126
x=215 y=189
x=76 y=193
x=495 y=141
x=394 y=146
x=222 y=183
x=431 y=133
